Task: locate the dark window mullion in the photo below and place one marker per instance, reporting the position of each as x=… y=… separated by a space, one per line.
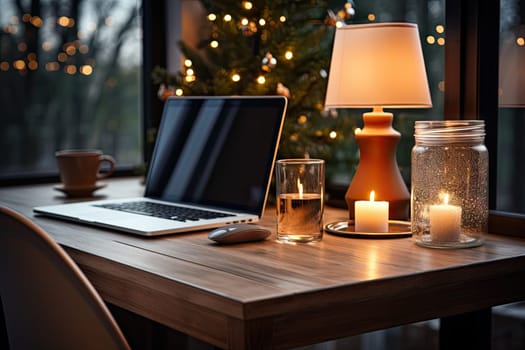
x=471 y=85
x=471 y=70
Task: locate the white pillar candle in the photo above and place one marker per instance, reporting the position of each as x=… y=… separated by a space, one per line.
x=445 y=222
x=371 y=216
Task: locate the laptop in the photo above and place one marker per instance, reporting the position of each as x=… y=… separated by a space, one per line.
x=211 y=166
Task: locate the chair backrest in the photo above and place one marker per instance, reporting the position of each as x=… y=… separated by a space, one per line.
x=48 y=302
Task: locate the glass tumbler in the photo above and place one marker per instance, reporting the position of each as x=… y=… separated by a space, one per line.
x=300 y=199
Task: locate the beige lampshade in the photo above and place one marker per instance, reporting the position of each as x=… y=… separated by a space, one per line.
x=512 y=70
x=377 y=65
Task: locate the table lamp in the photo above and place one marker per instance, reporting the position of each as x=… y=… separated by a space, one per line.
x=378 y=66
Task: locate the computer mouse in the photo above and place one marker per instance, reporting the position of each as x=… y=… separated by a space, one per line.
x=239 y=233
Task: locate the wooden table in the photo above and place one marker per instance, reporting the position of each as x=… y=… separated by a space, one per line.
x=273 y=295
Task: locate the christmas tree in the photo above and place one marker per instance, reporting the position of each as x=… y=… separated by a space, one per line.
x=269 y=47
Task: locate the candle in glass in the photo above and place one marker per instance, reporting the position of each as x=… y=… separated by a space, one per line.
x=445 y=221
x=300 y=188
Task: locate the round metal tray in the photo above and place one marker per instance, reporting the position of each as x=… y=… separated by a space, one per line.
x=396 y=229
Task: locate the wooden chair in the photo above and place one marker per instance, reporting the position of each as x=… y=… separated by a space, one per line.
x=48 y=302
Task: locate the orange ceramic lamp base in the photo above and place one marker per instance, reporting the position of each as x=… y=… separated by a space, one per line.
x=377 y=170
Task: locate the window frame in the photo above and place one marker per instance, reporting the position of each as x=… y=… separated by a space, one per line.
x=154 y=27
x=471 y=76
x=153 y=49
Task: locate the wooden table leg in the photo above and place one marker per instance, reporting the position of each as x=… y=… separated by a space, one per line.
x=4 y=341
x=471 y=330
x=253 y=334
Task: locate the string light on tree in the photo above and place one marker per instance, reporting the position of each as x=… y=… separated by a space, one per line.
x=440 y=40
x=236 y=77
x=302 y=119
x=264 y=50
x=19 y=64
x=52 y=66
x=83 y=49
x=36 y=21
x=340 y=17
x=86 y=69
x=349 y=9
x=165 y=91
x=268 y=62
x=70 y=69
x=283 y=90
x=63 y=21
x=249 y=29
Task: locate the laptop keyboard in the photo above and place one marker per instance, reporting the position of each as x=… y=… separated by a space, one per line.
x=164 y=211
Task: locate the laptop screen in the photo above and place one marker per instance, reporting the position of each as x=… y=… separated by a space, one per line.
x=216 y=151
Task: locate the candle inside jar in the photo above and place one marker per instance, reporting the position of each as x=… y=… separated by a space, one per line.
x=445 y=221
x=299 y=214
x=371 y=216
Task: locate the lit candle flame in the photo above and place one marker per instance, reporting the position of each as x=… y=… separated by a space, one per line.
x=300 y=188
x=372 y=195
x=445 y=199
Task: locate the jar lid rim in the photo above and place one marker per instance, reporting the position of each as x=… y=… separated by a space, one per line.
x=450 y=131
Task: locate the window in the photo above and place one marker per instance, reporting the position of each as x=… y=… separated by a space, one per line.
x=70 y=77
x=510 y=192
x=473 y=92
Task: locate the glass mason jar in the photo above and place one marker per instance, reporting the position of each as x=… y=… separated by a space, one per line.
x=449 y=199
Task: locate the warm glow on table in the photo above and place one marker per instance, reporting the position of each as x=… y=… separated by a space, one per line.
x=371 y=216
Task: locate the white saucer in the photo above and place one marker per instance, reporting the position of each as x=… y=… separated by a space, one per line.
x=79 y=191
